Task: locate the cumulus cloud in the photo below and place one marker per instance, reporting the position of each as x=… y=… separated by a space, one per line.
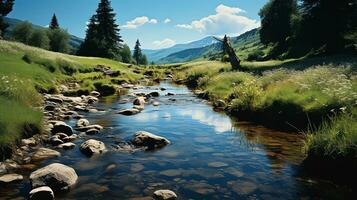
x=161 y=44
x=139 y=21
x=167 y=20
x=226 y=21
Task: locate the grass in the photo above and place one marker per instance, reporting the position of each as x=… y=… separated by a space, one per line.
x=287 y=94
x=27 y=71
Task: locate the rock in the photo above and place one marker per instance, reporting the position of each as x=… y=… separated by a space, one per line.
x=154 y=94
x=28 y=142
x=139 y=101
x=91 y=147
x=219 y=103
x=95 y=93
x=140 y=108
x=170 y=94
x=44 y=153
x=162 y=89
x=61 y=135
x=123 y=101
x=80 y=108
x=67 y=146
x=164 y=195
x=56 y=176
x=41 y=193
x=61 y=127
x=92 y=131
x=55 y=141
x=49 y=108
x=82 y=123
x=131 y=111
x=149 y=140
x=55 y=99
x=8 y=178
x=86 y=128
x=155 y=103
x=3 y=169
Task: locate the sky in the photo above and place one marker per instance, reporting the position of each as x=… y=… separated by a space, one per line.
x=156 y=23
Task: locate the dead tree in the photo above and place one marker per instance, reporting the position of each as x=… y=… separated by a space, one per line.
x=228 y=49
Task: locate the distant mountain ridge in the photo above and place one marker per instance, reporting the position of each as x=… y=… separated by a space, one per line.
x=155 y=55
x=74 y=41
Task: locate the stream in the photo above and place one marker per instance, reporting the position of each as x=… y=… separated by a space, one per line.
x=211 y=156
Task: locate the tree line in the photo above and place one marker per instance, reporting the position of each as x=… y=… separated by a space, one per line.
x=102 y=39
x=299 y=27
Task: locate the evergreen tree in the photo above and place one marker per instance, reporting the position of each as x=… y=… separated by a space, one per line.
x=276 y=21
x=144 y=60
x=125 y=54
x=5 y=8
x=137 y=52
x=54 y=23
x=104 y=40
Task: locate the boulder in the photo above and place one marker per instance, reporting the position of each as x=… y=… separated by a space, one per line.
x=41 y=193
x=8 y=178
x=55 y=99
x=91 y=147
x=61 y=127
x=86 y=128
x=154 y=94
x=155 y=103
x=44 y=153
x=56 y=176
x=131 y=111
x=219 y=103
x=82 y=123
x=67 y=146
x=95 y=93
x=92 y=131
x=55 y=141
x=139 y=101
x=28 y=142
x=50 y=108
x=162 y=89
x=170 y=94
x=149 y=140
x=164 y=195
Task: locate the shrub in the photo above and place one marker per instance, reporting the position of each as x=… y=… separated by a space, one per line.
x=247 y=95
x=58 y=40
x=256 y=55
x=39 y=38
x=22 y=32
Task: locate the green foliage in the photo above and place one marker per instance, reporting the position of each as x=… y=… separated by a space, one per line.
x=39 y=38
x=5 y=8
x=256 y=55
x=125 y=54
x=137 y=52
x=22 y=32
x=102 y=37
x=58 y=40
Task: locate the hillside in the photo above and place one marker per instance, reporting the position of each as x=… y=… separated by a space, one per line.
x=74 y=41
x=156 y=55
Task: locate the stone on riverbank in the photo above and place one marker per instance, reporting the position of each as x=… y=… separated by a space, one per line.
x=56 y=176
x=67 y=146
x=149 y=140
x=44 y=153
x=61 y=127
x=41 y=193
x=8 y=178
x=86 y=128
x=91 y=147
x=164 y=195
x=131 y=111
x=82 y=123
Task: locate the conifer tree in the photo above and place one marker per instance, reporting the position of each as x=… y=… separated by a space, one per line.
x=103 y=38
x=54 y=23
x=137 y=52
x=5 y=8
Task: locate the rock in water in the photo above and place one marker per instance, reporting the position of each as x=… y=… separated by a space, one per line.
x=67 y=146
x=42 y=193
x=57 y=176
x=155 y=94
x=140 y=101
x=8 y=178
x=132 y=111
x=82 y=123
x=149 y=140
x=164 y=195
x=91 y=147
x=61 y=127
x=44 y=153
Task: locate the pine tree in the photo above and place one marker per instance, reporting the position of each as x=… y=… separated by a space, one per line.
x=103 y=36
x=54 y=23
x=5 y=8
x=137 y=52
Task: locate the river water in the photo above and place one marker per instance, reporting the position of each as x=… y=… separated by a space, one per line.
x=211 y=156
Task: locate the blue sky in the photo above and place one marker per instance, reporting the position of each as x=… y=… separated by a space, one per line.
x=157 y=23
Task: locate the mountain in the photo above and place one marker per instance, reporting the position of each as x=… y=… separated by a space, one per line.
x=243 y=44
x=155 y=55
x=74 y=41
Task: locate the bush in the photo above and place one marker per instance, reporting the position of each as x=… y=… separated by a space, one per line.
x=22 y=32
x=39 y=39
x=256 y=55
x=58 y=40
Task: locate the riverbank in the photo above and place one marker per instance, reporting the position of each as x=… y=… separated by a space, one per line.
x=299 y=99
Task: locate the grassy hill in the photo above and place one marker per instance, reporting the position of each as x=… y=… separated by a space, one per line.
x=25 y=72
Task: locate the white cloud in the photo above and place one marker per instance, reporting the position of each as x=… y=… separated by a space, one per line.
x=167 y=20
x=225 y=21
x=139 y=21
x=166 y=43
